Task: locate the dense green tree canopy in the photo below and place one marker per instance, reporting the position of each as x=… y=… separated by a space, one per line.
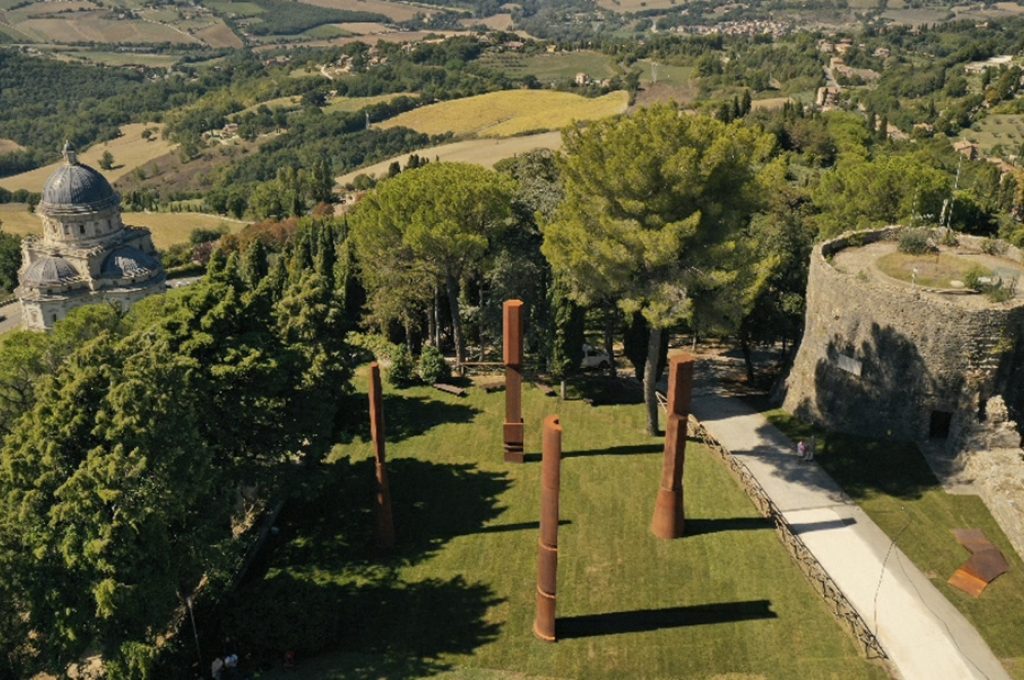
x=652 y=203
x=432 y=223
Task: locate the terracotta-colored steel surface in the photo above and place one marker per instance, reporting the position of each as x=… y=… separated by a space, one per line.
x=668 y=510
x=385 y=535
x=547 y=560
x=512 y=356
x=985 y=564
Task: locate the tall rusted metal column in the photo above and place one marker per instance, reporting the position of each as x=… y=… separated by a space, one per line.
x=512 y=320
x=547 y=560
x=385 y=535
x=668 y=511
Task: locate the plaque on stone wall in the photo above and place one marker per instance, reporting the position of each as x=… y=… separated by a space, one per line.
x=849 y=364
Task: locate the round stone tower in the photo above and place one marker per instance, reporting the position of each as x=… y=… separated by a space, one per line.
x=86 y=253
x=897 y=346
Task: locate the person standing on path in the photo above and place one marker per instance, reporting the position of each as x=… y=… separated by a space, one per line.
x=801 y=450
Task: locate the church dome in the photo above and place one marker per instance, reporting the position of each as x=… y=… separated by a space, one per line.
x=77 y=187
x=128 y=263
x=49 y=271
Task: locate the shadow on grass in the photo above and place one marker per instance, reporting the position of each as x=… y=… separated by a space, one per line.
x=320 y=586
x=518 y=526
x=698 y=526
x=628 y=450
x=331 y=526
x=863 y=467
x=602 y=390
x=404 y=416
x=383 y=622
x=644 y=620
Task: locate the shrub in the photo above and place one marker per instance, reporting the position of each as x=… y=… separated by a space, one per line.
x=993 y=246
x=972 y=279
x=432 y=367
x=915 y=242
x=402 y=371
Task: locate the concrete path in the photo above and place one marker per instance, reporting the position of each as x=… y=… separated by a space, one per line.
x=923 y=634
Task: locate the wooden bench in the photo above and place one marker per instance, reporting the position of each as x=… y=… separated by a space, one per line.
x=450 y=389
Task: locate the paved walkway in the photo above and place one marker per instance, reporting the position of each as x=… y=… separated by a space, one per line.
x=923 y=634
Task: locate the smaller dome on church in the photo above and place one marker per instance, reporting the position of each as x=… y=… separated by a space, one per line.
x=77 y=186
x=49 y=271
x=128 y=263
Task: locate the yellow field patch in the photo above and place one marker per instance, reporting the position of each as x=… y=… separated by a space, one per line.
x=9 y=146
x=495 y=22
x=16 y=219
x=510 y=112
x=485 y=152
x=396 y=11
x=171 y=228
x=130 y=151
x=94 y=28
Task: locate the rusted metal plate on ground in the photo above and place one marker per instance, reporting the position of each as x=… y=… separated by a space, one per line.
x=972 y=539
x=972 y=585
x=984 y=566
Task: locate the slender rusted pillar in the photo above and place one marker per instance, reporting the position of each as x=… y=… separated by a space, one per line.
x=385 y=524
x=668 y=511
x=512 y=319
x=547 y=560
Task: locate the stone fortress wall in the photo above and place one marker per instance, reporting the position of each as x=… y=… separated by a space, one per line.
x=881 y=357
x=886 y=359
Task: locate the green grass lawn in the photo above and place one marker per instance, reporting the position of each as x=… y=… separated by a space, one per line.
x=937 y=270
x=895 y=486
x=457 y=595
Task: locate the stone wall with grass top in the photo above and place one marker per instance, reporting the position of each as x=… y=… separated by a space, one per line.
x=881 y=357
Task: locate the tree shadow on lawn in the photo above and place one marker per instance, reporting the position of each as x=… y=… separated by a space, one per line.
x=644 y=620
x=320 y=585
x=863 y=467
x=331 y=525
x=404 y=416
x=395 y=629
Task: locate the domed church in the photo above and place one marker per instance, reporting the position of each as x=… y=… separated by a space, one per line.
x=86 y=255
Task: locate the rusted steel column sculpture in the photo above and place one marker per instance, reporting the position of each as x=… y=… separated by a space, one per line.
x=668 y=511
x=512 y=319
x=547 y=560
x=385 y=536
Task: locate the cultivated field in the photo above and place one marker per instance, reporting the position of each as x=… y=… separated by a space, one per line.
x=495 y=22
x=171 y=228
x=219 y=34
x=9 y=146
x=662 y=82
x=484 y=152
x=555 y=66
x=96 y=27
x=356 y=103
x=510 y=112
x=998 y=134
x=16 y=219
x=636 y=5
x=117 y=58
x=81 y=21
x=398 y=11
x=130 y=151
x=167 y=228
